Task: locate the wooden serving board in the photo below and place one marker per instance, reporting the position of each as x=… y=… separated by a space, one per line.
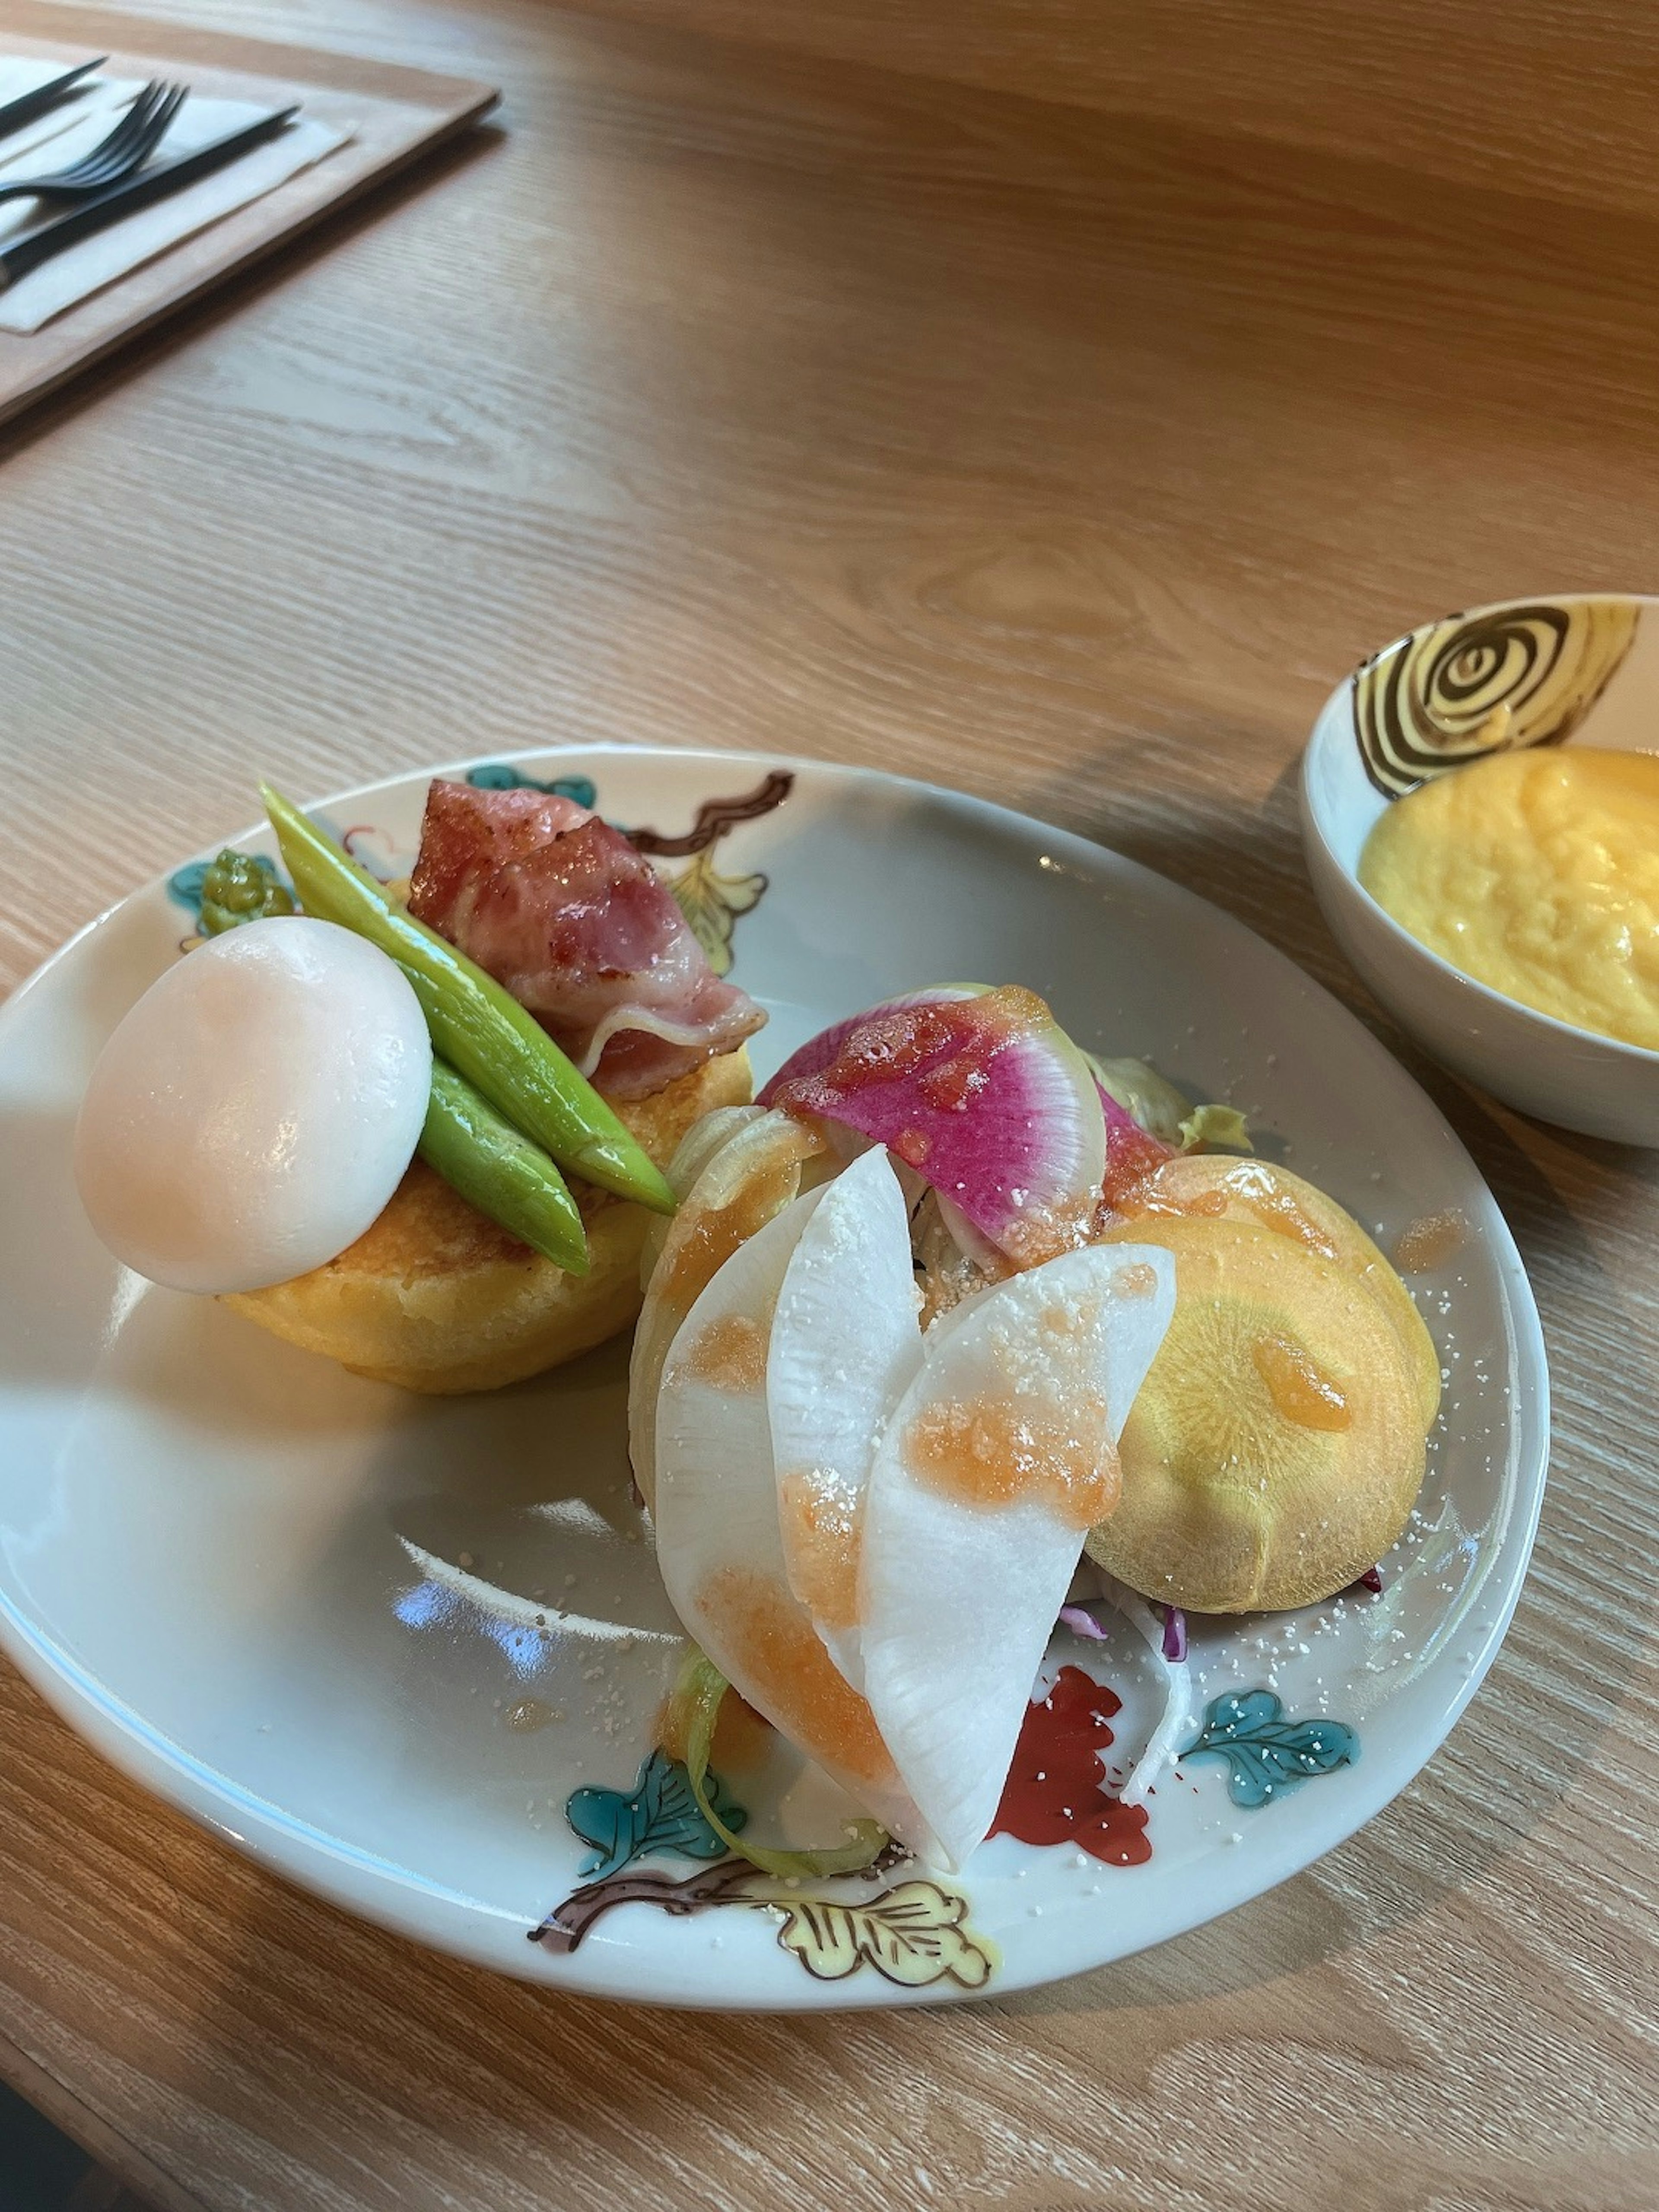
x=394 y=114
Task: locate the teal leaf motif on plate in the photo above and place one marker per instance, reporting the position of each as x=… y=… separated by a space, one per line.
x=1268 y=1755
x=659 y=1813
x=496 y=776
x=185 y=886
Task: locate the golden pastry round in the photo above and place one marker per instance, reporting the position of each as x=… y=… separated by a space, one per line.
x=436 y=1296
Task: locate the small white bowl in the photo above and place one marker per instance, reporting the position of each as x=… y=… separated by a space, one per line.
x=1582 y=668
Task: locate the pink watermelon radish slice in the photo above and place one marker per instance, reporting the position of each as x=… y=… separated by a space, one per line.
x=816 y=1054
x=982 y=1094
x=1132 y=1152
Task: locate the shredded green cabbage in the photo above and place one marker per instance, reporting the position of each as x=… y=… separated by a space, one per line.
x=1145 y=1095
x=692 y=1713
x=1215 y=1124
x=1163 y=1111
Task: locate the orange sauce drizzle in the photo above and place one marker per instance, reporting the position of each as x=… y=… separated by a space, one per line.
x=1043 y=1233
x=717 y=1233
x=1301 y=1390
x=1064 y=1320
x=889 y=1047
x=1133 y=1160
x=729 y=1354
x=987 y=1452
x=1212 y=1204
x=822 y=1532
x=1430 y=1242
x=951 y=1085
x=777 y=1645
x=1279 y=1211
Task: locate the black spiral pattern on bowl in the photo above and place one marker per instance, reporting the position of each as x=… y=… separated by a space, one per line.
x=1487 y=682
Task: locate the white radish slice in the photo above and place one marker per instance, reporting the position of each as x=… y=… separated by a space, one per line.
x=846 y=1343
x=747 y=1178
x=717 y=1540
x=999 y=1457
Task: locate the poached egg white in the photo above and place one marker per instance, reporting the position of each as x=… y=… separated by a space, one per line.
x=254 y=1111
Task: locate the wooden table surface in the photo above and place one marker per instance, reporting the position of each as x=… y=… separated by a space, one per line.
x=1051 y=401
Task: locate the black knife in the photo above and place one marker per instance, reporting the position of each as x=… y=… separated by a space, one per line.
x=140 y=191
x=28 y=104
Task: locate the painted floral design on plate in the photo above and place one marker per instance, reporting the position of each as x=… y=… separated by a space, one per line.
x=1267 y=1754
x=916 y=1932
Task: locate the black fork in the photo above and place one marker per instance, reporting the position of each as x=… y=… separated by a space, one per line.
x=126 y=147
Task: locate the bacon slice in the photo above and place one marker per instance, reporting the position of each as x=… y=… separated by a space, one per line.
x=559 y=908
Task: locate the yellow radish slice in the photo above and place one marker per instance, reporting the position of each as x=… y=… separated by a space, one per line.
x=745 y=1180
x=718 y=1540
x=996 y=1459
x=846 y=1342
x=1210 y=1187
x=1277 y=1446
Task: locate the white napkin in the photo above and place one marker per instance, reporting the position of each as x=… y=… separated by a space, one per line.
x=107 y=254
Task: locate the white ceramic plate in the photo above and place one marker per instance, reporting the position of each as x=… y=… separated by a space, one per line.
x=334 y=1622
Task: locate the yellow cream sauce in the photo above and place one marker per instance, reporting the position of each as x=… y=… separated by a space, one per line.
x=1536 y=873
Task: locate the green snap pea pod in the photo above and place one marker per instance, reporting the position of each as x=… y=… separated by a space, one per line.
x=500 y=1172
x=481 y=1030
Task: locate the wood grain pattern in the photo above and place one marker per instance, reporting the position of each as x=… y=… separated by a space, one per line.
x=1549 y=97
x=1068 y=457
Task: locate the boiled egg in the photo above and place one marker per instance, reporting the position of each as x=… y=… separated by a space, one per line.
x=254 y=1111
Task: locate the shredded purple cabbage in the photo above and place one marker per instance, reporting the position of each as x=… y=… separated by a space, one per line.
x=1082 y=1623
x=1371 y=1580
